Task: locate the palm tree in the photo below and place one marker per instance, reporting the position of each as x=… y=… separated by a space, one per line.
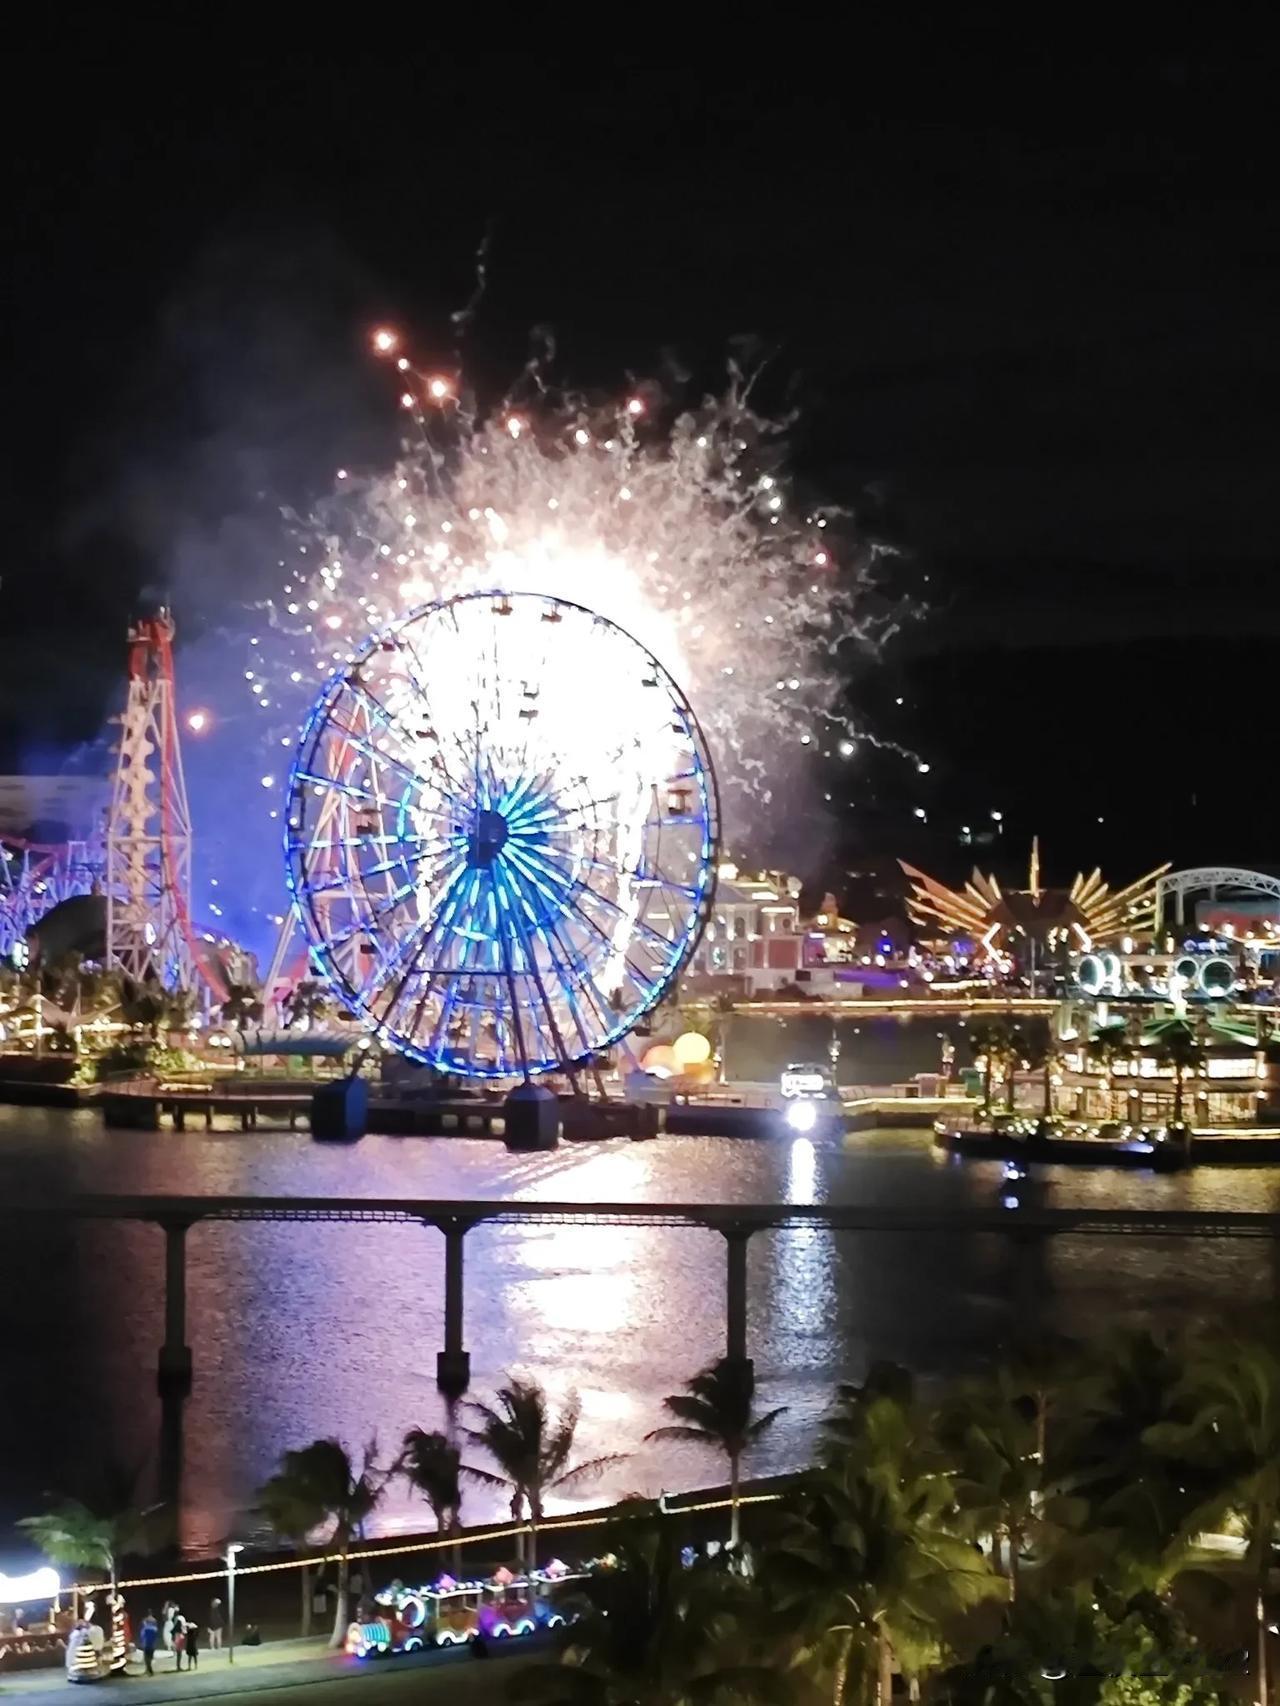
x=1227 y=1421
x=866 y=1566
x=1107 y=1044
x=655 y=1633
x=870 y=1560
x=291 y=1513
x=1135 y=1498
x=1178 y=1046
x=433 y=1467
x=531 y=1448
x=989 y=1433
x=715 y=1409
x=74 y=1535
x=320 y=1487
x=995 y=1042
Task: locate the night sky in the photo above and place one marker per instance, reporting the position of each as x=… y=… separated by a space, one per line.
x=1025 y=294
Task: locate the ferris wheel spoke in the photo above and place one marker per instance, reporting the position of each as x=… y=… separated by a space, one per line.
x=377 y=758
x=618 y=912
x=366 y=923
x=364 y=873
x=451 y=995
x=327 y=783
x=567 y=900
x=396 y=725
x=565 y=971
x=531 y=960
x=443 y=917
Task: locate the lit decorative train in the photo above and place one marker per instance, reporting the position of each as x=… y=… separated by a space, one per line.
x=449 y=1612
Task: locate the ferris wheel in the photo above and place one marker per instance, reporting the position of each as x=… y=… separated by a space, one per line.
x=502 y=834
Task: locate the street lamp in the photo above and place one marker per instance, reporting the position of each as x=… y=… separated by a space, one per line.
x=233 y=1548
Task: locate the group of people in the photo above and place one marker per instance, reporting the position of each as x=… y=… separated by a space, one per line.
x=179 y=1635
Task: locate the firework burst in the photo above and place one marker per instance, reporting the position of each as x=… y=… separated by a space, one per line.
x=679 y=524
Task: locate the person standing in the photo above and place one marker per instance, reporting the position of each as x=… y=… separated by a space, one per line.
x=168 y=1611
x=192 y=1633
x=148 y=1635
x=179 y=1638
x=217 y=1623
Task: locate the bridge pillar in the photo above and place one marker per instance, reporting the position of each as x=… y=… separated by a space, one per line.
x=739 y=1363
x=173 y=1374
x=453 y=1363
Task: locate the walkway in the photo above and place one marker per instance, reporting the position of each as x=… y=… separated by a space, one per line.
x=283 y=1665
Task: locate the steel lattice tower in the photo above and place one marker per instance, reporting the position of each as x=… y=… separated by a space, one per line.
x=149 y=824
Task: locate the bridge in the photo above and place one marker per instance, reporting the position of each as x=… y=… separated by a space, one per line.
x=1025 y=1220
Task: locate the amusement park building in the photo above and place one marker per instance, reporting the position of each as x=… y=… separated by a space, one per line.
x=752 y=938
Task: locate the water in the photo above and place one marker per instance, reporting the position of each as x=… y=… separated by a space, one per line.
x=307 y=1330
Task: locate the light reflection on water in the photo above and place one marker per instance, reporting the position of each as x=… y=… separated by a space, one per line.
x=300 y=1331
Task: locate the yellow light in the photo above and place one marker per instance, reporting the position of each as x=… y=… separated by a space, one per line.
x=384 y=340
x=197 y=720
x=406 y=399
x=634 y=406
x=439 y=388
x=691 y=1049
x=515 y=426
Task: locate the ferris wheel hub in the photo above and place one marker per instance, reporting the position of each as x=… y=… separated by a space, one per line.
x=489 y=832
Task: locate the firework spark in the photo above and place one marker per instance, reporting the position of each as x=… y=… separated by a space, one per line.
x=678 y=524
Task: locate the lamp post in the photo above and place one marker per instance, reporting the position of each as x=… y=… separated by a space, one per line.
x=234 y=1547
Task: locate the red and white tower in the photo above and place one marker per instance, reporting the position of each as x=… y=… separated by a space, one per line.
x=149 y=824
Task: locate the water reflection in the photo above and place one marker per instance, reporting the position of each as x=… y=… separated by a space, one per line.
x=306 y=1330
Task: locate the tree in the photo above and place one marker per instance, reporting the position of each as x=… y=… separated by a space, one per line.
x=1178 y=1046
x=74 y=1535
x=308 y=1004
x=996 y=1042
x=987 y=1430
x=242 y=1006
x=1226 y=1420
x=715 y=1409
x=318 y=1487
x=709 y=1017
x=1084 y=1646
x=1136 y=1499
x=1108 y=1044
x=867 y=1562
x=531 y=1447
x=656 y=1633
x=433 y=1467
x=142 y=1004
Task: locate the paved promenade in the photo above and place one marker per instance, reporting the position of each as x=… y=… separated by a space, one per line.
x=281 y=1666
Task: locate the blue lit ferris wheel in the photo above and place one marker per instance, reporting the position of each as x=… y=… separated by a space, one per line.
x=502 y=834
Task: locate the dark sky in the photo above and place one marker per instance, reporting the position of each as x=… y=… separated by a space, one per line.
x=1027 y=289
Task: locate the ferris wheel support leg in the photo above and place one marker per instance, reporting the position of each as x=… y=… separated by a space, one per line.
x=453 y=1363
x=738 y=1364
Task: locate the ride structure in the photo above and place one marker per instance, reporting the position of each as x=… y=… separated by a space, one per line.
x=501 y=836
x=148 y=834
x=36 y=877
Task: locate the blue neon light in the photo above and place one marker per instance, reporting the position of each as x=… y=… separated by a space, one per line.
x=467 y=905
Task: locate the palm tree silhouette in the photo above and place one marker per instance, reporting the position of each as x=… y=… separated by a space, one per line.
x=319 y=1486
x=532 y=1449
x=715 y=1409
